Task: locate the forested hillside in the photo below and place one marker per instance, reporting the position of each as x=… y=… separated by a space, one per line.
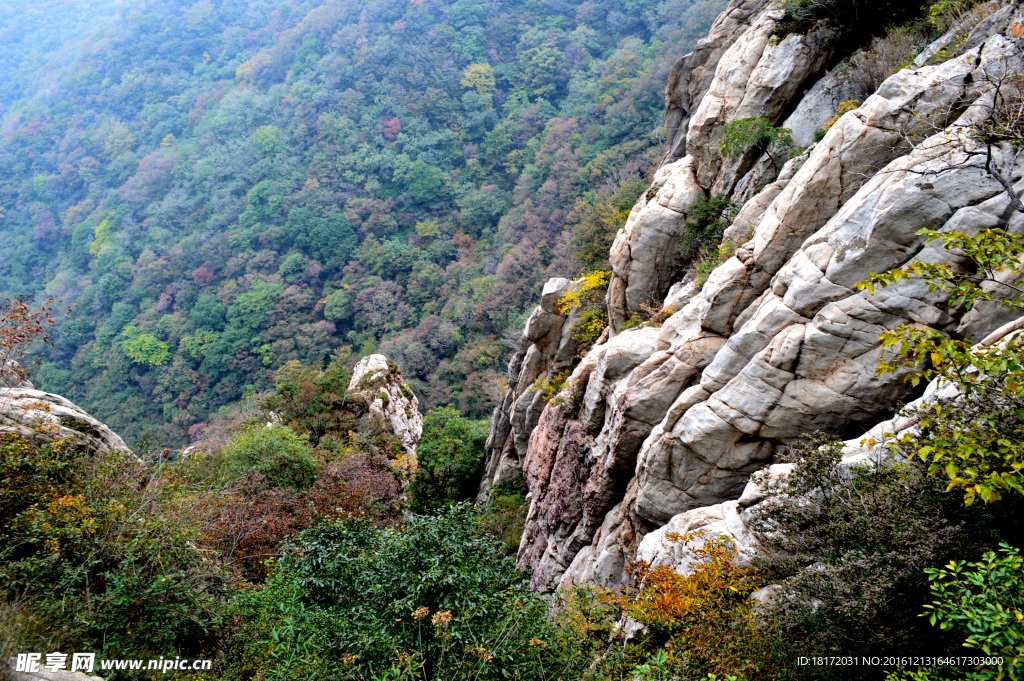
x=217 y=188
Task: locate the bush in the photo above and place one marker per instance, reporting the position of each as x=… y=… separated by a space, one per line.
x=110 y=559
x=436 y=599
x=450 y=459
x=504 y=516
x=315 y=401
x=705 y=618
x=975 y=440
x=252 y=521
x=600 y=216
x=743 y=134
x=284 y=458
x=850 y=548
x=587 y=294
x=706 y=220
x=863 y=17
x=886 y=55
x=985 y=600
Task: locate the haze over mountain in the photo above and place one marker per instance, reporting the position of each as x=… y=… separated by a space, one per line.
x=227 y=186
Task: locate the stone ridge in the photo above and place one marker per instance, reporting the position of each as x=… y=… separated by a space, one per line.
x=378 y=380
x=35 y=414
x=778 y=342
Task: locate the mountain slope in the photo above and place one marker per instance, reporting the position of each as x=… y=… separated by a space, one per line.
x=220 y=188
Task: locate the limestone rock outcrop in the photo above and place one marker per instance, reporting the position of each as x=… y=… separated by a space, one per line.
x=732 y=519
x=35 y=414
x=391 y=401
x=660 y=426
x=43 y=675
x=546 y=348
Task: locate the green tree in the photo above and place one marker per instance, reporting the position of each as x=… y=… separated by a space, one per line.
x=450 y=459
x=977 y=442
x=249 y=310
x=144 y=348
x=338 y=306
x=316 y=402
x=435 y=599
x=268 y=140
x=208 y=313
x=984 y=600
x=284 y=458
x=423 y=182
x=742 y=135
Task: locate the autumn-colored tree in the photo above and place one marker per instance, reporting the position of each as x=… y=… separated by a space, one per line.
x=21 y=325
x=480 y=77
x=705 y=618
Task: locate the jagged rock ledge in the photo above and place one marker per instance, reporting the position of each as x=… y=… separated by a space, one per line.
x=778 y=342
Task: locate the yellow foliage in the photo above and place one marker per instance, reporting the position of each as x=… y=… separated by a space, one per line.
x=428 y=229
x=103 y=233
x=479 y=76
x=844 y=107
x=670 y=601
x=582 y=288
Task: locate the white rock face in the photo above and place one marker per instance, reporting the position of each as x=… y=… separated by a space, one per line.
x=819 y=104
x=730 y=518
x=379 y=382
x=44 y=675
x=546 y=348
x=658 y=423
x=35 y=414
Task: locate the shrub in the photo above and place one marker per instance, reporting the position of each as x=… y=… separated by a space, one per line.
x=850 y=546
x=315 y=401
x=885 y=56
x=844 y=107
x=22 y=324
x=862 y=17
x=436 y=600
x=974 y=441
x=587 y=294
x=945 y=13
x=599 y=217
x=743 y=134
x=284 y=458
x=549 y=386
x=32 y=473
x=450 y=459
x=706 y=220
x=704 y=618
x=111 y=560
x=504 y=515
x=251 y=521
x=985 y=600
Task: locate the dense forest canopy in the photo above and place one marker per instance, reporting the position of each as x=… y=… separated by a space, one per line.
x=33 y=33
x=218 y=187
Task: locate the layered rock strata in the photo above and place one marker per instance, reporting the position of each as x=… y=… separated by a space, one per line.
x=733 y=519
x=658 y=422
x=546 y=348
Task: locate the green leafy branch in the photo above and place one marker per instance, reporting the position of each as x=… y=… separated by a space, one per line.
x=977 y=442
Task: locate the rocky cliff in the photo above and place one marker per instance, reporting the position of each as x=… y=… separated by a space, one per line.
x=658 y=423
x=35 y=414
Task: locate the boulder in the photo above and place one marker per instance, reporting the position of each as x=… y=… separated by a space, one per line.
x=379 y=381
x=35 y=414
